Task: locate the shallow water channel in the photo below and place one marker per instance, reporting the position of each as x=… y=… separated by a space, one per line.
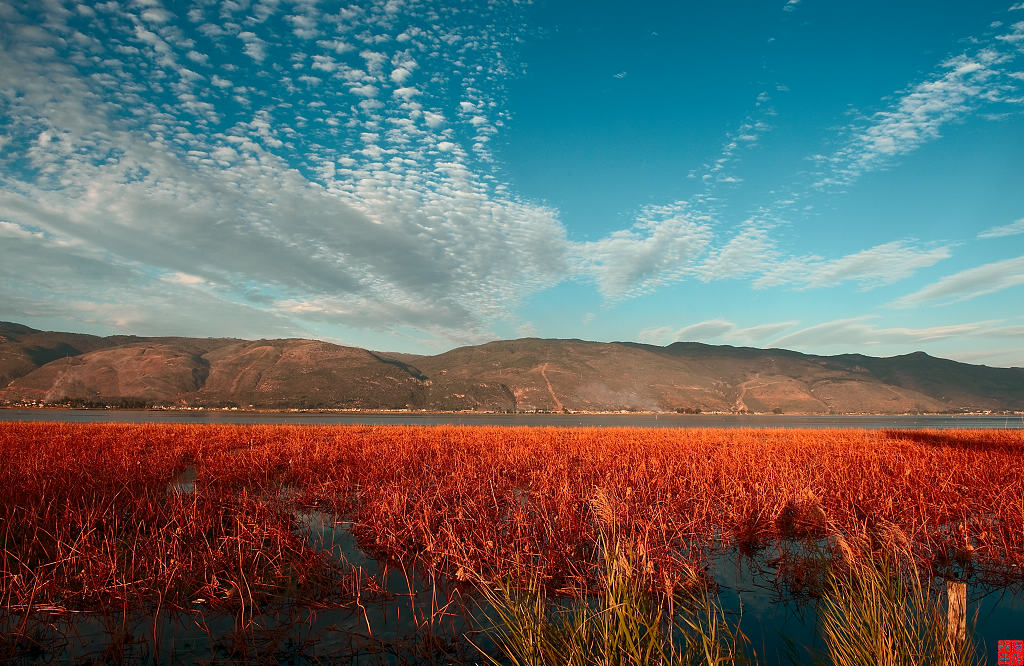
x=403 y=616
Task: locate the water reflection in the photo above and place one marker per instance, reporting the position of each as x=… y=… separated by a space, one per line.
x=184 y=483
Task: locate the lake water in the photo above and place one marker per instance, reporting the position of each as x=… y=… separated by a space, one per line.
x=535 y=420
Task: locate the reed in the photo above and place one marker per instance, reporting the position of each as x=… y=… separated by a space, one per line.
x=882 y=612
x=625 y=623
x=90 y=517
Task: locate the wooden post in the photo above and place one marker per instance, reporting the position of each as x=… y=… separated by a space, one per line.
x=956 y=612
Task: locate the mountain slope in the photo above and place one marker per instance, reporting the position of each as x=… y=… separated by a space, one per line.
x=527 y=374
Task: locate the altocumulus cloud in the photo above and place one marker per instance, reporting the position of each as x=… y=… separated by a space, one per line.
x=124 y=166
x=660 y=248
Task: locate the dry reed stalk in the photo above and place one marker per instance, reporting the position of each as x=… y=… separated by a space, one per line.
x=87 y=516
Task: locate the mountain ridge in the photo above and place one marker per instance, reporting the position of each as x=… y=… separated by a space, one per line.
x=527 y=374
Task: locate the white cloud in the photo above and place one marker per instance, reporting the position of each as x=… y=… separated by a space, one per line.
x=660 y=335
x=1011 y=229
x=1012 y=357
x=661 y=247
x=366 y=90
x=790 y=5
x=254 y=47
x=184 y=279
x=325 y=63
x=877 y=266
x=715 y=331
x=704 y=330
x=156 y=15
x=748 y=252
x=968 y=284
x=374 y=60
x=407 y=92
x=272 y=222
x=304 y=25
x=919 y=115
x=433 y=120
x=224 y=154
x=399 y=75
x=859 y=331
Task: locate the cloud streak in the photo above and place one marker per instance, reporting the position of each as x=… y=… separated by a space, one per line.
x=714 y=331
x=877 y=266
x=965 y=285
x=961 y=85
x=1011 y=229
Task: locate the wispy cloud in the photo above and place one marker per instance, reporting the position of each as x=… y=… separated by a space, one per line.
x=859 y=331
x=1011 y=229
x=877 y=266
x=1003 y=357
x=738 y=142
x=968 y=284
x=790 y=5
x=714 y=330
x=752 y=251
x=963 y=83
x=659 y=249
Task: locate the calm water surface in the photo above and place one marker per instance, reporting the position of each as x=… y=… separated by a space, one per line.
x=536 y=420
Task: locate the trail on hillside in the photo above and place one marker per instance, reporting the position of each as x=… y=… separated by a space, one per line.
x=544 y=374
x=741 y=405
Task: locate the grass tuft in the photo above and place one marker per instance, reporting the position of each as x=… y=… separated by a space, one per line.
x=880 y=612
x=627 y=623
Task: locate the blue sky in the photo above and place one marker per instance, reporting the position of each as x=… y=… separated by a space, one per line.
x=412 y=176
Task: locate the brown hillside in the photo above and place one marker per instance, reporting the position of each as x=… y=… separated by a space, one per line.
x=525 y=375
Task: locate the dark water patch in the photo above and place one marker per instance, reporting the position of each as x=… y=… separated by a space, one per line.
x=184 y=483
x=285 y=635
x=397 y=601
x=775 y=596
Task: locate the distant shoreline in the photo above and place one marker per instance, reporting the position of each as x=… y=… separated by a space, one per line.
x=436 y=412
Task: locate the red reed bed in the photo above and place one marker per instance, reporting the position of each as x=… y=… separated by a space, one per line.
x=88 y=517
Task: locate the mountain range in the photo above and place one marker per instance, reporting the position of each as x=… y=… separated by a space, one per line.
x=529 y=374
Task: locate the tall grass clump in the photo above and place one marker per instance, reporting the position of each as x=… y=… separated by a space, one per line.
x=626 y=623
x=880 y=612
